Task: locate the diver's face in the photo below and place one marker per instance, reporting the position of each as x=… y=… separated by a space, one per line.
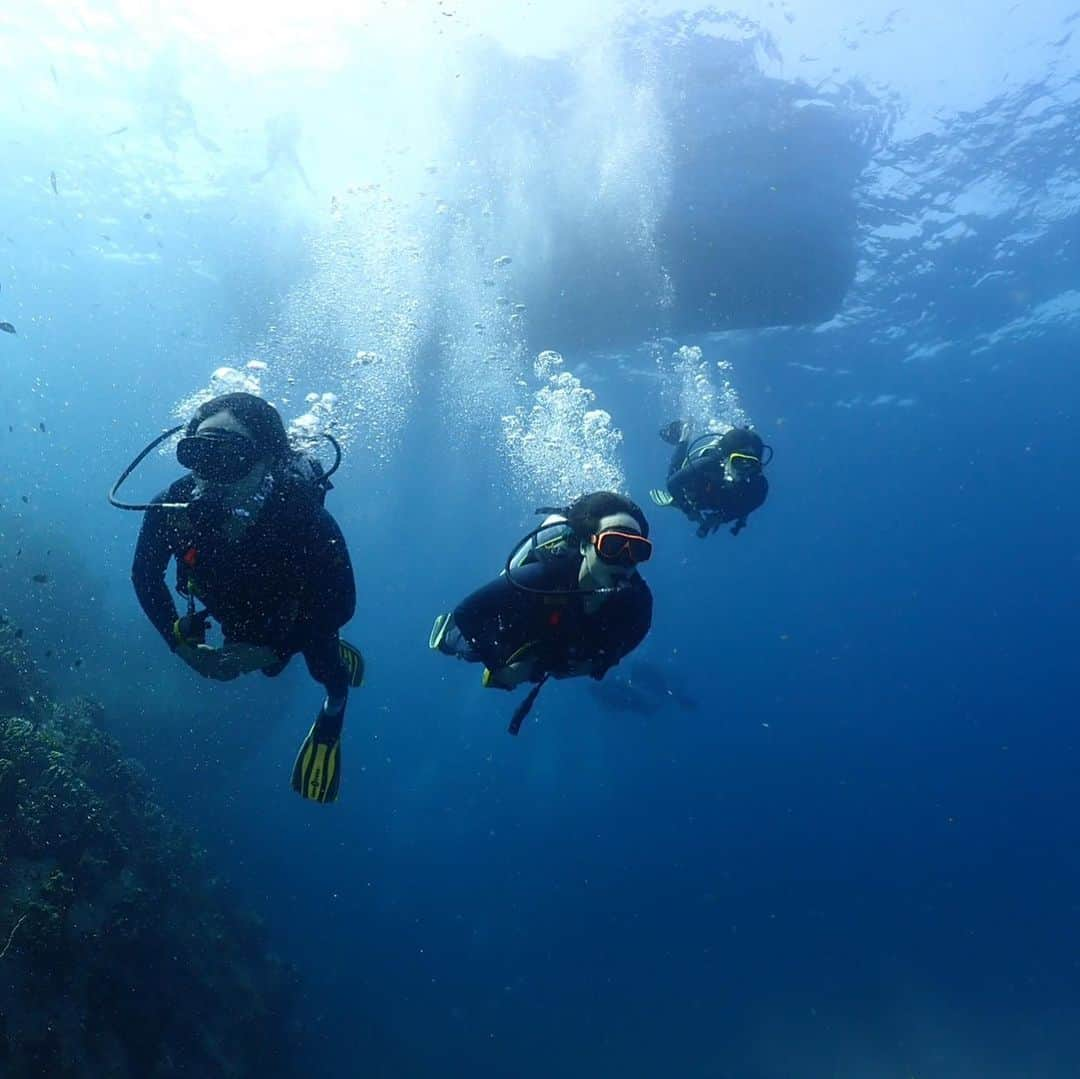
x=741 y=467
x=608 y=573
x=222 y=452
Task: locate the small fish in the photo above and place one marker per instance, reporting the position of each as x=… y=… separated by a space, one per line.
x=10 y=427
x=55 y=77
x=147 y=216
x=118 y=131
x=48 y=653
x=78 y=663
x=40 y=578
x=106 y=237
x=26 y=498
x=7 y=327
x=52 y=180
x=18 y=634
x=41 y=427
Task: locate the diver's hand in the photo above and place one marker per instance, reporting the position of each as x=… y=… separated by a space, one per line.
x=244 y=658
x=511 y=676
x=205 y=661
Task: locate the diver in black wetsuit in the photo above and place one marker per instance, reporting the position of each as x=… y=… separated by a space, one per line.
x=254 y=544
x=570 y=602
x=714 y=478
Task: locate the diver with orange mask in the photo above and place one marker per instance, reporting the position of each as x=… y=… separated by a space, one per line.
x=569 y=603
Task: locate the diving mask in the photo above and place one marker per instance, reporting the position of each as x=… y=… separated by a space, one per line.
x=622 y=548
x=744 y=465
x=218 y=456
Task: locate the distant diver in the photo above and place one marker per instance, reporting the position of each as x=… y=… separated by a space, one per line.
x=282 y=136
x=643 y=689
x=714 y=478
x=254 y=544
x=569 y=603
x=164 y=108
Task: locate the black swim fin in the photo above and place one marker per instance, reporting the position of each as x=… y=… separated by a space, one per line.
x=525 y=707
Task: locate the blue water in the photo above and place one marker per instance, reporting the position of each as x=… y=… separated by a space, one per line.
x=857 y=857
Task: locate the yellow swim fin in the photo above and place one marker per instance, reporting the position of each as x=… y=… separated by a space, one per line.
x=353 y=659
x=316 y=774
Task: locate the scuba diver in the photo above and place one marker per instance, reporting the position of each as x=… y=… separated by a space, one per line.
x=255 y=546
x=570 y=601
x=714 y=478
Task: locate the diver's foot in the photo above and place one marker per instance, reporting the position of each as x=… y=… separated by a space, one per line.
x=675 y=432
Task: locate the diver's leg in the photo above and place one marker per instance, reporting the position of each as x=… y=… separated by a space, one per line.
x=317 y=771
x=678 y=457
x=326 y=666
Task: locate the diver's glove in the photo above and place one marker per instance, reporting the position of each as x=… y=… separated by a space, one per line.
x=206 y=661
x=221 y=664
x=189 y=635
x=245 y=658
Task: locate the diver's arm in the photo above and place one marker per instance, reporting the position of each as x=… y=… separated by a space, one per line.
x=634 y=630
x=488 y=618
x=152 y=554
x=745 y=501
x=329 y=595
x=501 y=621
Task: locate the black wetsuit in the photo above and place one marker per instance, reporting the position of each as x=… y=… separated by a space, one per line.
x=286 y=582
x=497 y=621
x=704 y=494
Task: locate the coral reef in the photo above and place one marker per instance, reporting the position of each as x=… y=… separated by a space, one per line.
x=120 y=956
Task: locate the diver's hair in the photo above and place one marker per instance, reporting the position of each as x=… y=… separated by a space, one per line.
x=583 y=514
x=258 y=416
x=741 y=440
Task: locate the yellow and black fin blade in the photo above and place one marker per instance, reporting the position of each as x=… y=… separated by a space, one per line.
x=316 y=774
x=353 y=659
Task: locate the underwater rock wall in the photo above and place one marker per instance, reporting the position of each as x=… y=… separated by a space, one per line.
x=119 y=955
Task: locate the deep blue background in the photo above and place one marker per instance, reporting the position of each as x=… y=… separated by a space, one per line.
x=857 y=857
x=856 y=860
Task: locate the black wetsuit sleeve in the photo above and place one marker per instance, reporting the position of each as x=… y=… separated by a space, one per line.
x=152 y=553
x=493 y=617
x=744 y=499
x=329 y=593
x=634 y=626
